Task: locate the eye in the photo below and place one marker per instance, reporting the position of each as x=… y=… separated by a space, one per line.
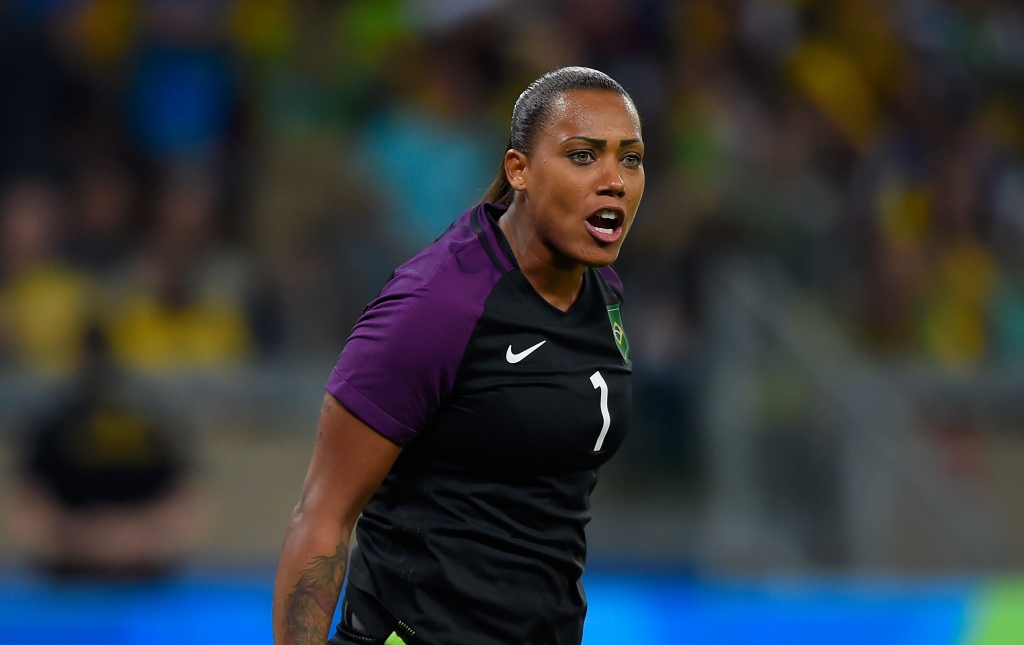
x=581 y=156
x=632 y=160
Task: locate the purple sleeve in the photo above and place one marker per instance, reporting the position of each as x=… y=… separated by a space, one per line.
x=400 y=361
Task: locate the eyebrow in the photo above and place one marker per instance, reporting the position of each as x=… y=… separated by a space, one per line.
x=601 y=143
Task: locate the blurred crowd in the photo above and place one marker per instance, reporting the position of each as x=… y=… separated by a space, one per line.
x=209 y=182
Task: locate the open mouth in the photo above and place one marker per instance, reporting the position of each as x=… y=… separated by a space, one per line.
x=605 y=224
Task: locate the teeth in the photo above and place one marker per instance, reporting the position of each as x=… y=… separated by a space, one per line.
x=608 y=217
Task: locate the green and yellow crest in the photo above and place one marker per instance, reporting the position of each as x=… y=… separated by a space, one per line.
x=618 y=331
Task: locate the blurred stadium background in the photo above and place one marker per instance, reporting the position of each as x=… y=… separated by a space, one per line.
x=825 y=296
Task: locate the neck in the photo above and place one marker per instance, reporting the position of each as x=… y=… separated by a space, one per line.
x=556 y=278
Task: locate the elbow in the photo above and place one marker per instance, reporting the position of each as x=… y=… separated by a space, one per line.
x=309 y=518
x=295 y=520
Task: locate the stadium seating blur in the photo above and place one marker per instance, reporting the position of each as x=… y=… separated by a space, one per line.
x=825 y=285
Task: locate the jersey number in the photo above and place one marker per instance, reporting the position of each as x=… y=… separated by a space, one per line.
x=599 y=384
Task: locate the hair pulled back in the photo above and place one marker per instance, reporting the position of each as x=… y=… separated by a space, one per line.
x=533 y=110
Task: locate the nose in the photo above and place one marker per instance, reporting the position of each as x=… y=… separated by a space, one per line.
x=611 y=182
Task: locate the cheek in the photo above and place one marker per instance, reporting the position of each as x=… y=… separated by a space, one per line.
x=635 y=190
x=635 y=183
x=558 y=198
x=557 y=184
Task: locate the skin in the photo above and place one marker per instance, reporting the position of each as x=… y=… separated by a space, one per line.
x=589 y=156
x=350 y=460
x=563 y=181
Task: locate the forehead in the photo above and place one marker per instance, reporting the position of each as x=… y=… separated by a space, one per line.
x=593 y=113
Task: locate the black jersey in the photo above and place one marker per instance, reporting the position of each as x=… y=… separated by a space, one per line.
x=506 y=407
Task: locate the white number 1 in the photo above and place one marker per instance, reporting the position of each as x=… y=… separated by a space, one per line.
x=599 y=384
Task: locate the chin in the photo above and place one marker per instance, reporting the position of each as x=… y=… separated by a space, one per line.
x=588 y=252
x=601 y=258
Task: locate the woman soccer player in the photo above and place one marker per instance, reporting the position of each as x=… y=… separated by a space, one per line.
x=475 y=400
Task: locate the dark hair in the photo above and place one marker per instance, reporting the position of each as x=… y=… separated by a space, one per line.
x=533 y=111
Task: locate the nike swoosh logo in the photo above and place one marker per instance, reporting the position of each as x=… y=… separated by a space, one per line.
x=512 y=357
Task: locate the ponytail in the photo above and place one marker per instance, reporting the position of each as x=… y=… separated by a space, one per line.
x=500 y=192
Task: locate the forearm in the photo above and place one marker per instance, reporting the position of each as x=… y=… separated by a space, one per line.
x=309 y=579
x=350 y=460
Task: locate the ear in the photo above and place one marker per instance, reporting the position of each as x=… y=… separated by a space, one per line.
x=515 y=169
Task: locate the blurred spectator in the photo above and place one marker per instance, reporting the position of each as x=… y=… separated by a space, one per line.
x=106 y=196
x=181 y=93
x=45 y=305
x=428 y=153
x=321 y=243
x=41 y=99
x=104 y=493
x=186 y=307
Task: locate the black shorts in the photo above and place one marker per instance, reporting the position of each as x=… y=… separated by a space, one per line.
x=347 y=634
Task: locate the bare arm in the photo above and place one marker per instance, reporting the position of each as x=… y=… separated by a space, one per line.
x=350 y=461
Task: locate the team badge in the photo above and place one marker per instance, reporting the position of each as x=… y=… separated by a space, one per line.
x=618 y=331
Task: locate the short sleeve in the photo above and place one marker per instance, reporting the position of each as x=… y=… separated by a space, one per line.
x=400 y=361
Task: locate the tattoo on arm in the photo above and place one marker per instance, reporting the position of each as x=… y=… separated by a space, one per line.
x=310 y=607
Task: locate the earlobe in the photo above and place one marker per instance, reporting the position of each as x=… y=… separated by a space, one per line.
x=515 y=169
